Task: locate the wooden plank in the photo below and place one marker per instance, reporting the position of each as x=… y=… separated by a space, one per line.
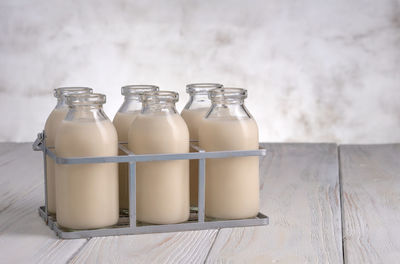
x=182 y=247
x=24 y=238
x=16 y=170
x=300 y=193
x=371 y=203
x=289 y=188
x=22 y=226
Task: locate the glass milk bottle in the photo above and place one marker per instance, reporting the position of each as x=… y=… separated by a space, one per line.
x=193 y=113
x=232 y=184
x=87 y=194
x=130 y=108
x=162 y=187
x=52 y=123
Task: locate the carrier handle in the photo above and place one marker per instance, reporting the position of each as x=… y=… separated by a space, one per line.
x=38 y=144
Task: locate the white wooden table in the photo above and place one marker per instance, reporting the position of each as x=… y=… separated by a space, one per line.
x=307 y=199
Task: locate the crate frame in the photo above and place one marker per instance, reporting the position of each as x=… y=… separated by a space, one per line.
x=128 y=225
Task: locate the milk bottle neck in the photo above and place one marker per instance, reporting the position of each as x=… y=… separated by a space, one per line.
x=131 y=104
x=132 y=96
x=228 y=103
x=227 y=110
x=160 y=102
x=159 y=108
x=61 y=94
x=61 y=103
x=86 y=113
x=198 y=101
x=86 y=108
x=199 y=94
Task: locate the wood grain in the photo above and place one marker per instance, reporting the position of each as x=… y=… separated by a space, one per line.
x=371 y=203
x=22 y=230
x=183 y=247
x=17 y=177
x=300 y=193
x=24 y=238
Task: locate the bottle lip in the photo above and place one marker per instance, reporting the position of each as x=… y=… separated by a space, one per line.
x=64 y=91
x=86 y=99
x=202 y=88
x=138 y=89
x=160 y=97
x=227 y=93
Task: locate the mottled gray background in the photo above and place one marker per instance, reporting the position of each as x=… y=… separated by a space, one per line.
x=315 y=70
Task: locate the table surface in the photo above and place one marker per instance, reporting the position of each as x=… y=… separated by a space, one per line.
x=327 y=204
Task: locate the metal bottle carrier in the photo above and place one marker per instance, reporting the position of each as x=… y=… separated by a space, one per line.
x=127 y=224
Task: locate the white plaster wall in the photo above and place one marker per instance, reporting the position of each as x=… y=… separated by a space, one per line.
x=315 y=70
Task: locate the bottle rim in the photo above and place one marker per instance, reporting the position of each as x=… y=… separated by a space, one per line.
x=64 y=91
x=227 y=93
x=86 y=99
x=202 y=88
x=138 y=89
x=160 y=96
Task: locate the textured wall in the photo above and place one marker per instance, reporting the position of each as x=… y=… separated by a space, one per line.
x=315 y=70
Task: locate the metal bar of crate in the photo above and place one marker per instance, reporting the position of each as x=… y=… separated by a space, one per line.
x=157 y=157
x=132 y=194
x=259 y=220
x=201 y=191
x=132 y=185
x=131 y=227
x=46 y=195
x=40 y=145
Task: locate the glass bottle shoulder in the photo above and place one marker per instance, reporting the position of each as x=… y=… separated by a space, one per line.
x=86 y=138
x=158 y=133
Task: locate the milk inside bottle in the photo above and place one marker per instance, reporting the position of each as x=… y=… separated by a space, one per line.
x=232 y=184
x=86 y=194
x=193 y=114
x=52 y=124
x=162 y=187
x=128 y=111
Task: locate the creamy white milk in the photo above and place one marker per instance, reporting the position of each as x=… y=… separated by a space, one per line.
x=162 y=187
x=122 y=122
x=232 y=184
x=52 y=124
x=193 y=119
x=87 y=194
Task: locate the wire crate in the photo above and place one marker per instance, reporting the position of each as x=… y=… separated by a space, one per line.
x=127 y=224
